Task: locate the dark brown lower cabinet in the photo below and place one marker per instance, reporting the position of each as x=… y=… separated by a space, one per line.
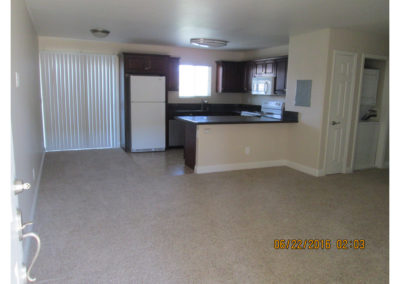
x=190 y=145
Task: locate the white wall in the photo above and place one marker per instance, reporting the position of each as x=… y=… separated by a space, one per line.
x=26 y=119
x=225 y=144
x=308 y=60
x=280 y=50
x=187 y=55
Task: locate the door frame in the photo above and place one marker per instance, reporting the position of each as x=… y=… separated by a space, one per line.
x=382 y=124
x=348 y=118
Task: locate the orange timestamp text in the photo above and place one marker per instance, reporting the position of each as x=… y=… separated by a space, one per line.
x=302 y=244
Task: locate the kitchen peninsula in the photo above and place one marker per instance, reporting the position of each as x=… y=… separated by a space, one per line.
x=212 y=142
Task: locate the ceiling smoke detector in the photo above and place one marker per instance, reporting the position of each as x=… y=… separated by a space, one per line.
x=100 y=33
x=208 y=42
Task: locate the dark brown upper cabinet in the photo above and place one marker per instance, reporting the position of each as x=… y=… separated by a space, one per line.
x=281 y=76
x=264 y=67
x=146 y=64
x=173 y=74
x=250 y=71
x=230 y=77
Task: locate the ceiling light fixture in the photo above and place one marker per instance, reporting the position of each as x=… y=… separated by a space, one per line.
x=100 y=33
x=208 y=42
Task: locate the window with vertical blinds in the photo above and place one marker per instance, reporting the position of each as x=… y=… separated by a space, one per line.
x=79 y=100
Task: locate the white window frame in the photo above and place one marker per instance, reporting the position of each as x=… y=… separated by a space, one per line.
x=187 y=92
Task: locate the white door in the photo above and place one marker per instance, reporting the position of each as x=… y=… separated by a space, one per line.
x=17 y=266
x=147 y=88
x=148 y=127
x=340 y=107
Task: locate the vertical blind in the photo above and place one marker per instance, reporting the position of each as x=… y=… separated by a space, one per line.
x=79 y=100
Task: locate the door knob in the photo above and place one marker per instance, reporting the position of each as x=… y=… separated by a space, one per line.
x=20 y=186
x=335 y=122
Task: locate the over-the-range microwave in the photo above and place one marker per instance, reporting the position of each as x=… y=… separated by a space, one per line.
x=262 y=86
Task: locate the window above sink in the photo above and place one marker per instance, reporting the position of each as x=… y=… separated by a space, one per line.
x=194 y=81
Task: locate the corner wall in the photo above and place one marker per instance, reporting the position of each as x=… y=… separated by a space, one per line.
x=26 y=118
x=308 y=60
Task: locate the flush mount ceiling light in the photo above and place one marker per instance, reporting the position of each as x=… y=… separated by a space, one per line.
x=208 y=42
x=100 y=33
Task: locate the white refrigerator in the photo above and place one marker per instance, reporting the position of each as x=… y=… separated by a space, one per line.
x=147 y=113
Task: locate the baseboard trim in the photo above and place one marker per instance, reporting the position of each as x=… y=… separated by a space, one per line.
x=364 y=167
x=305 y=169
x=238 y=166
x=32 y=213
x=256 y=165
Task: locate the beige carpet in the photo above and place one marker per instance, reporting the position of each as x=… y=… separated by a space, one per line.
x=105 y=216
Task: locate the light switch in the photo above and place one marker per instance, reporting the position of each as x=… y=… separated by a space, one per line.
x=17 y=80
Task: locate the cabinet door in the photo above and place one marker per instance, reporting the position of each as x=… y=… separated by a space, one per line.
x=230 y=77
x=146 y=64
x=264 y=67
x=259 y=68
x=136 y=64
x=173 y=74
x=159 y=65
x=176 y=134
x=269 y=68
x=248 y=76
x=280 y=79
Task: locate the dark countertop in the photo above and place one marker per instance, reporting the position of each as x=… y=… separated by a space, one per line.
x=208 y=109
x=230 y=119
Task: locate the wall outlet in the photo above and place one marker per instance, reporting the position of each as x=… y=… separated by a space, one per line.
x=247 y=150
x=33 y=174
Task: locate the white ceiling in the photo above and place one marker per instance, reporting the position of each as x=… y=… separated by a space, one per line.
x=246 y=24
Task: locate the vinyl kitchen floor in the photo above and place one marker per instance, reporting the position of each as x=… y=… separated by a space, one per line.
x=105 y=216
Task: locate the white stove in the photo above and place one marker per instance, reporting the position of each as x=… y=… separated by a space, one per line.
x=271 y=109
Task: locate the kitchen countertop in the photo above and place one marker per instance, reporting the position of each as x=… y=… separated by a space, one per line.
x=227 y=119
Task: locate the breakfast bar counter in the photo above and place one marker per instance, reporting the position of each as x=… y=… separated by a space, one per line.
x=236 y=119
x=192 y=123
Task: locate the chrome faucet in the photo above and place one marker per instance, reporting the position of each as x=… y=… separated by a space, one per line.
x=203 y=104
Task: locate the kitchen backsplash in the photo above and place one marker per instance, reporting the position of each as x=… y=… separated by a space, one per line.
x=225 y=98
